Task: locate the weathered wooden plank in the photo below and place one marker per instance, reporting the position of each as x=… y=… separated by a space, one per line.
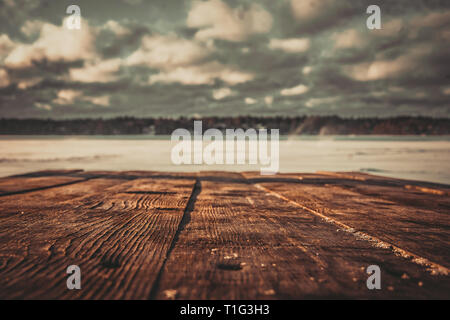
x=142 y=235
x=418 y=230
x=117 y=231
x=241 y=243
x=38 y=180
x=407 y=193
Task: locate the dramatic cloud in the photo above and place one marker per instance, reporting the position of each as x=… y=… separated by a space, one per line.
x=202 y=74
x=307 y=70
x=224 y=57
x=168 y=52
x=249 y=100
x=216 y=20
x=24 y=84
x=96 y=71
x=314 y=102
x=4 y=78
x=6 y=45
x=312 y=10
x=55 y=43
x=268 y=100
x=295 y=91
x=69 y=97
x=32 y=27
x=317 y=14
x=183 y=61
x=432 y=20
x=350 y=38
x=383 y=68
x=116 y=28
x=43 y=106
x=103 y=101
x=290 y=45
x=222 y=93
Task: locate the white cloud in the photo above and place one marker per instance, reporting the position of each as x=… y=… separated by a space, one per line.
x=308 y=11
x=221 y=93
x=268 y=100
x=378 y=69
x=202 y=74
x=307 y=70
x=249 y=100
x=431 y=20
x=43 y=106
x=293 y=45
x=69 y=96
x=183 y=61
x=28 y=83
x=298 y=90
x=434 y=20
x=100 y=101
x=6 y=45
x=96 y=71
x=116 y=28
x=216 y=20
x=349 y=38
x=314 y=102
x=32 y=27
x=168 y=52
x=4 y=78
x=389 y=28
x=55 y=43
x=383 y=68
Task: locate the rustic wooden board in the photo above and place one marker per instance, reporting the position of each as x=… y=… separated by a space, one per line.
x=117 y=232
x=404 y=192
x=216 y=235
x=416 y=229
x=241 y=243
x=38 y=181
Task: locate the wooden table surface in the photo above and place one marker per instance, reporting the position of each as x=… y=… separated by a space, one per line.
x=222 y=235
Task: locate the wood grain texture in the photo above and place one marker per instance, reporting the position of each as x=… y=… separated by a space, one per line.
x=116 y=231
x=242 y=243
x=38 y=181
x=413 y=227
x=217 y=235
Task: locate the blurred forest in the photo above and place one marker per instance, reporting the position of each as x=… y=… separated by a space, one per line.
x=314 y=125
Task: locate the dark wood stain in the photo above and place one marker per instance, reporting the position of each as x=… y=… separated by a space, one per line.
x=222 y=235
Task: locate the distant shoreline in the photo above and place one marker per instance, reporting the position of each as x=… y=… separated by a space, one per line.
x=288 y=126
x=301 y=137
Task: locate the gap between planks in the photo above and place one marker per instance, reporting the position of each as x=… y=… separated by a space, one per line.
x=196 y=189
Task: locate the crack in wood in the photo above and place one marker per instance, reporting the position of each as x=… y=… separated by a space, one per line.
x=184 y=221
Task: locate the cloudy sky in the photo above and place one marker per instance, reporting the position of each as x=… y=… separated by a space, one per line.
x=224 y=57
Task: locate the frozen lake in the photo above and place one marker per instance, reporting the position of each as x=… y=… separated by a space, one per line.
x=408 y=157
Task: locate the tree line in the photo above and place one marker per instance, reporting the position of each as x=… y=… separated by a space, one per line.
x=314 y=125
